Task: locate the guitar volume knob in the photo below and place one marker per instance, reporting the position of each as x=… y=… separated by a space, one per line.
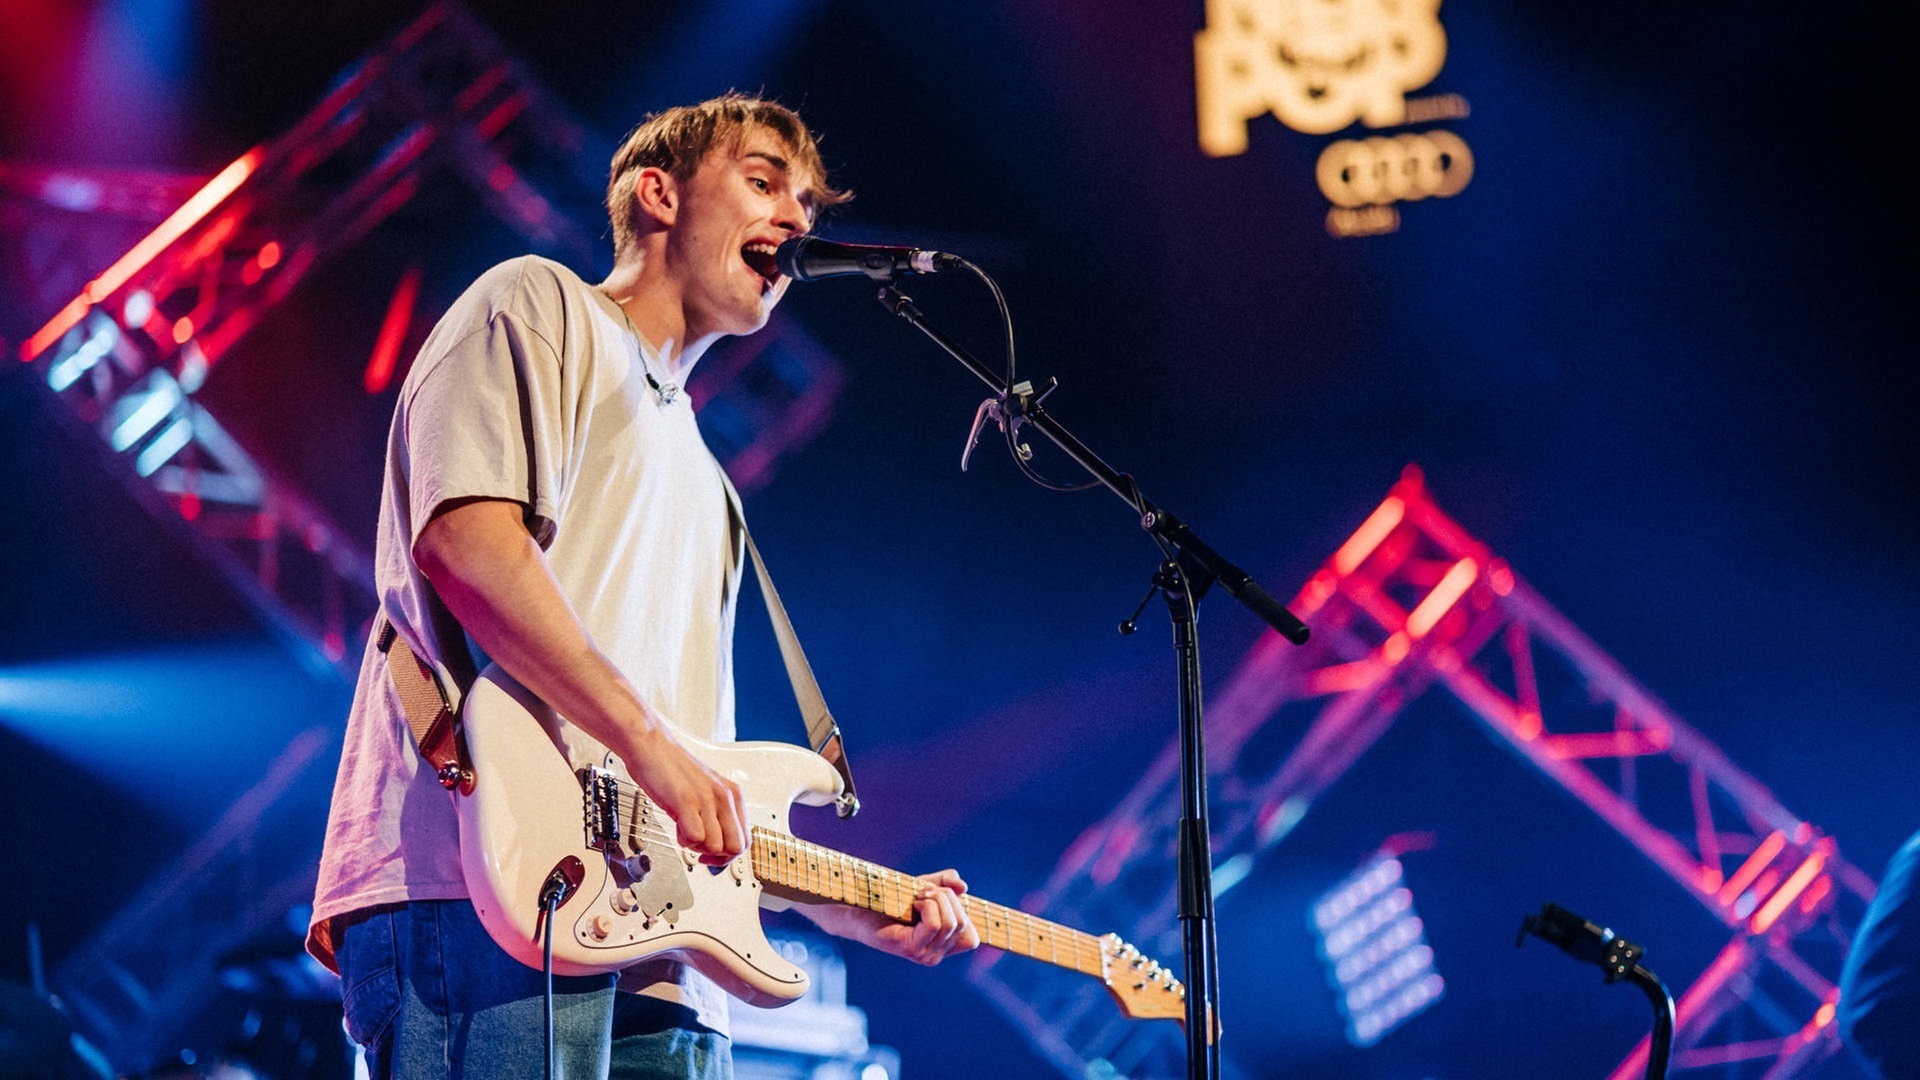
x=625 y=902
x=600 y=927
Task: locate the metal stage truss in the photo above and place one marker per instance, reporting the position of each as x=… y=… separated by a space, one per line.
x=442 y=102
x=1411 y=602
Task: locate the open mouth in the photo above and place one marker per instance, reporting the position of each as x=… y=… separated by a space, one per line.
x=759 y=258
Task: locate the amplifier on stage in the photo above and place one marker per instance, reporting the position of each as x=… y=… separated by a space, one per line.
x=819 y=1036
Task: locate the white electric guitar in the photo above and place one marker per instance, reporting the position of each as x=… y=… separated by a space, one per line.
x=631 y=892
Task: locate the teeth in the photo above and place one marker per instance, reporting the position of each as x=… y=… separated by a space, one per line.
x=760 y=257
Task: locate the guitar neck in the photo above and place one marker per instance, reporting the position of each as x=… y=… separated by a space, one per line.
x=794 y=869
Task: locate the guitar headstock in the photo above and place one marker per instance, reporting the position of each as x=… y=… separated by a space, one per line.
x=1143 y=989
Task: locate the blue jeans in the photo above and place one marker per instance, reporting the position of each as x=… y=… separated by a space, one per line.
x=427 y=994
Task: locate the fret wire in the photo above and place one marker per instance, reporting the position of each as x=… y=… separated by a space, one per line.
x=836 y=864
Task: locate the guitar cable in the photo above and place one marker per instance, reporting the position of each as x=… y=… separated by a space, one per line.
x=552 y=894
x=546 y=969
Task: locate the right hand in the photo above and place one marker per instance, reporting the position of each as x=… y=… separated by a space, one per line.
x=707 y=808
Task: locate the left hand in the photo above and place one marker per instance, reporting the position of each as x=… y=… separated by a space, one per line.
x=940 y=927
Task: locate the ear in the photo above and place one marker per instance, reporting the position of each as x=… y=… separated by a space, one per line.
x=657 y=196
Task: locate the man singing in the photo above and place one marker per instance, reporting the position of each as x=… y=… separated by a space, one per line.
x=549 y=506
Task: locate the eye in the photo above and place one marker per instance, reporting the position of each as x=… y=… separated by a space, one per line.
x=759 y=183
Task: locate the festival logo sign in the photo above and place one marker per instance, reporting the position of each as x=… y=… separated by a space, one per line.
x=1320 y=66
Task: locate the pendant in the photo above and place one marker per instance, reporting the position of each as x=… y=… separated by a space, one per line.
x=666 y=392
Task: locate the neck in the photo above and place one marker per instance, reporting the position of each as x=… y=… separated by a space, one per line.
x=790 y=867
x=654 y=310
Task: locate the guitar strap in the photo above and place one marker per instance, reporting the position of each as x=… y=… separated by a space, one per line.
x=823 y=732
x=433 y=716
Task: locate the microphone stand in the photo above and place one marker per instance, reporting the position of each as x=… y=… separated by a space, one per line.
x=1182 y=580
x=1618 y=959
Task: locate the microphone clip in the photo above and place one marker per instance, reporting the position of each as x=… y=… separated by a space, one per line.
x=1004 y=412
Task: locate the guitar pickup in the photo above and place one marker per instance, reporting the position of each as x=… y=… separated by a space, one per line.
x=600 y=791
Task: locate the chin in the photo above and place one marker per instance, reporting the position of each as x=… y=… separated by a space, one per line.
x=755 y=323
x=759 y=318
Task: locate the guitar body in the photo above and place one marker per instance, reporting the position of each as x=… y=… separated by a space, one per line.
x=636 y=893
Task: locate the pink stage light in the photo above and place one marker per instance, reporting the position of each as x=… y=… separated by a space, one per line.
x=1442 y=598
x=393 y=331
x=1796 y=884
x=1755 y=863
x=1369 y=535
x=195 y=208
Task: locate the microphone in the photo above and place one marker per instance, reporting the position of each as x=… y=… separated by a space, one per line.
x=808 y=258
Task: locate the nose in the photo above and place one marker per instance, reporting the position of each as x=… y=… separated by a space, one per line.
x=791 y=214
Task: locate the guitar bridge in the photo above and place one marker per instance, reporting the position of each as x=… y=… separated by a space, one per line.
x=600 y=794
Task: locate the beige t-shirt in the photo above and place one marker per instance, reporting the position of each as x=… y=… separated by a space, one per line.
x=532 y=388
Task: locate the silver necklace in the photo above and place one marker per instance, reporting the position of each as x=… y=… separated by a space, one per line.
x=666 y=390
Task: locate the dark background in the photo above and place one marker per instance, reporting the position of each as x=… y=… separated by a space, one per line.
x=1654 y=355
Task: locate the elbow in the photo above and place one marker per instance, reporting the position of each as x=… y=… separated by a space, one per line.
x=434 y=556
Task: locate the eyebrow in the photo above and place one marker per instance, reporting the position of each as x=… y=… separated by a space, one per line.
x=808 y=198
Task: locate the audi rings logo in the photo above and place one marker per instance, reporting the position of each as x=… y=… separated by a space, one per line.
x=1387 y=169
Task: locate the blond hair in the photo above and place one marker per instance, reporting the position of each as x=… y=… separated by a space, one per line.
x=677 y=140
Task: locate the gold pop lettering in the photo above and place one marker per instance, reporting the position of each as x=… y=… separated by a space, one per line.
x=1317 y=65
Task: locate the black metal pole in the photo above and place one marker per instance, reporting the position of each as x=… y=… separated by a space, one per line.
x=1196 y=851
x=1660 y=1045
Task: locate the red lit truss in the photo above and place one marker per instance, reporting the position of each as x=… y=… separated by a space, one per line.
x=1411 y=602
x=130 y=351
x=443 y=100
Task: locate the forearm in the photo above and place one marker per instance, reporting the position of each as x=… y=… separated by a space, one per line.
x=840 y=920
x=495 y=581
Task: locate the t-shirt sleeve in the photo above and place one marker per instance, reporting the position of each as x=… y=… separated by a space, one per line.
x=486 y=420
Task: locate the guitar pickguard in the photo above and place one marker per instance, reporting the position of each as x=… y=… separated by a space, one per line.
x=649 y=877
